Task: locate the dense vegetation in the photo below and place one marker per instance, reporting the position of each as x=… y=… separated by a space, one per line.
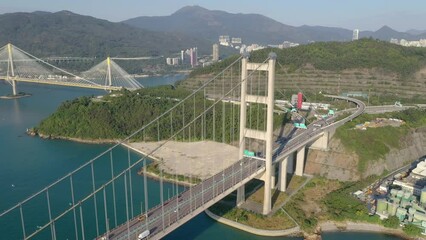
x=412 y=230
x=337 y=205
x=337 y=56
x=118 y=115
x=67 y=34
x=380 y=140
x=341 y=205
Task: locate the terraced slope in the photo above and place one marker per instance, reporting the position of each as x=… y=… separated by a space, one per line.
x=383 y=69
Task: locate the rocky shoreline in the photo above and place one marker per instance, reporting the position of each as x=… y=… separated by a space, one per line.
x=34 y=133
x=19 y=95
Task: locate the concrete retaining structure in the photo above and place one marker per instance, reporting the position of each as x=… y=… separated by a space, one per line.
x=260 y=232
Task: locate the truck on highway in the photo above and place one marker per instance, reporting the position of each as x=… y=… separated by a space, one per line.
x=143 y=235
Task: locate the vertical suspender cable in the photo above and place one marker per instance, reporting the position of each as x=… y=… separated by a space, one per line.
x=131 y=185
x=22 y=221
x=113 y=188
x=127 y=204
x=106 y=213
x=52 y=225
x=94 y=199
x=73 y=203
x=145 y=189
x=162 y=198
x=158 y=130
x=214 y=111
x=82 y=222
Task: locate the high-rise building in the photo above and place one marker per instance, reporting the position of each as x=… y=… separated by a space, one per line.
x=355 y=34
x=215 y=52
x=182 y=55
x=193 y=56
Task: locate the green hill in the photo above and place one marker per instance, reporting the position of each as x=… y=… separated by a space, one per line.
x=118 y=115
x=335 y=67
x=67 y=34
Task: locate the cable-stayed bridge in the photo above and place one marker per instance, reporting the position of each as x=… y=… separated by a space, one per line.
x=103 y=195
x=16 y=65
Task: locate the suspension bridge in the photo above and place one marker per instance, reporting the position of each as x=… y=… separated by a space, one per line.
x=16 y=65
x=108 y=209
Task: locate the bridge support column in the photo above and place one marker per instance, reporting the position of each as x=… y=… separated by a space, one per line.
x=282 y=174
x=14 y=87
x=300 y=161
x=322 y=142
x=241 y=195
x=290 y=163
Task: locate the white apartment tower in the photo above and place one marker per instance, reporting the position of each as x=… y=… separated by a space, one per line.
x=355 y=34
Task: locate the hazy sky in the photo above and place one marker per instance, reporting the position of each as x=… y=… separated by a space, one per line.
x=363 y=14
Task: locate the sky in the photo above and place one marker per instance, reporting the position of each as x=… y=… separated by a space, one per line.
x=401 y=15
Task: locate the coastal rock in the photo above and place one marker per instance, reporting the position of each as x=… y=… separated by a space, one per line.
x=312 y=237
x=31 y=132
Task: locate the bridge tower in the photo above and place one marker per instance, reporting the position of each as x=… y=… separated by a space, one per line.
x=109 y=78
x=10 y=68
x=266 y=136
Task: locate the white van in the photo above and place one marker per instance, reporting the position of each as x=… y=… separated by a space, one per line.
x=143 y=235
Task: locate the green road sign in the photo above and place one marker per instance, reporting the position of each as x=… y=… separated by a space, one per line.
x=248 y=153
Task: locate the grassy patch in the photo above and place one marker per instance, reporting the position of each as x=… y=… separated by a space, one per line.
x=154 y=168
x=374 y=143
x=341 y=205
x=278 y=221
x=305 y=207
x=277 y=196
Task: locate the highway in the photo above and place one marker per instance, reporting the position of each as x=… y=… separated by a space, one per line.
x=301 y=138
x=164 y=218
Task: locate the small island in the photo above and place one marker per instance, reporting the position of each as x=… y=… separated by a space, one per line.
x=19 y=95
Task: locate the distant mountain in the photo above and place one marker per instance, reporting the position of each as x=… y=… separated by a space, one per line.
x=416 y=32
x=386 y=33
x=67 y=34
x=252 y=28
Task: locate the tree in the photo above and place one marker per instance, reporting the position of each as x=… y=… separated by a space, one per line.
x=412 y=230
x=391 y=222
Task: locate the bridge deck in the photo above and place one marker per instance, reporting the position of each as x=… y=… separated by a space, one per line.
x=68 y=84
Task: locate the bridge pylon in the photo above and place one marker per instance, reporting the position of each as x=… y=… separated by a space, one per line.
x=11 y=69
x=266 y=136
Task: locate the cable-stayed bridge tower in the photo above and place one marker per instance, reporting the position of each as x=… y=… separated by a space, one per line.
x=16 y=65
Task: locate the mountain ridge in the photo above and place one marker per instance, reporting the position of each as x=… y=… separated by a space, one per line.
x=65 y=33
x=252 y=28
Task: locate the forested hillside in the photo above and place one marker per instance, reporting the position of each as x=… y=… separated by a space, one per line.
x=117 y=115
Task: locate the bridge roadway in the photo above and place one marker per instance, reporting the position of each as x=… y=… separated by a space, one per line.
x=61 y=83
x=164 y=218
